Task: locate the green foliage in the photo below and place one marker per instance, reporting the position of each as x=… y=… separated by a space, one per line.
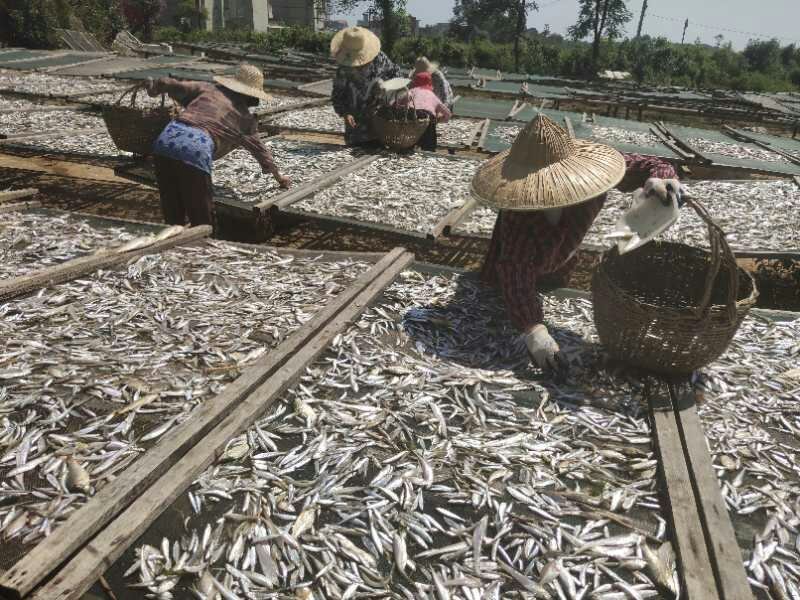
x=32 y=23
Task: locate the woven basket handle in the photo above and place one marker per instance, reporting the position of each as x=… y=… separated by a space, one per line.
x=721 y=255
x=133 y=91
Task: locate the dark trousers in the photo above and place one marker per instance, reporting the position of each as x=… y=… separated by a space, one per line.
x=428 y=139
x=186 y=192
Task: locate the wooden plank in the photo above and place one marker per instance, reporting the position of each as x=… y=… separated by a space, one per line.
x=66 y=271
x=61 y=168
x=24 y=137
x=452 y=219
x=484 y=133
x=15 y=206
x=682 y=144
x=796 y=180
x=570 y=129
x=725 y=554
x=10 y=195
x=698 y=580
x=669 y=144
x=282 y=369
x=303 y=191
x=38 y=109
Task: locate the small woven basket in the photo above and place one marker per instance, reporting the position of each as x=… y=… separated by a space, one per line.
x=400 y=134
x=134 y=129
x=671 y=308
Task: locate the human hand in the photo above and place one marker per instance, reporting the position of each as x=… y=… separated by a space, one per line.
x=350 y=120
x=283 y=181
x=544 y=350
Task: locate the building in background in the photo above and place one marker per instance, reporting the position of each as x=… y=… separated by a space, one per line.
x=253 y=15
x=336 y=25
x=299 y=12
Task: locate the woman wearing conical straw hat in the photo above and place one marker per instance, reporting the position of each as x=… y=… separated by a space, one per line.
x=362 y=66
x=548 y=189
x=215 y=120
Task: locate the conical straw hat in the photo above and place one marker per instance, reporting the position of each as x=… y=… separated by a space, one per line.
x=249 y=80
x=545 y=168
x=355 y=47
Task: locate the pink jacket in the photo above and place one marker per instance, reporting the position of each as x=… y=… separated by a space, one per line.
x=428 y=101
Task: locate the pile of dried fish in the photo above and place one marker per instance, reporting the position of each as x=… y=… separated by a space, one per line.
x=755 y=215
x=7 y=103
x=96 y=370
x=455 y=132
x=479 y=223
x=611 y=135
x=750 y=413
x=37 y=122
x=320 y=118
x=42 y=84
x=734 y=150
x=142 y=99
x=301 y=161
x=280 y=101
x=89 y=144
x=407 y=192
x=420 y=457
x=33 y=240
x=507 y=133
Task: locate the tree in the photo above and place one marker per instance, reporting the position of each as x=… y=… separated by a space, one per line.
x=505 y=19
x=599 y=18
x=190 y=15
x=390 y=13
x=142 y=15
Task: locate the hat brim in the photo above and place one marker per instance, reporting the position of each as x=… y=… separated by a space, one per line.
x=590 y=171
x=365 y=55
x=241 y=88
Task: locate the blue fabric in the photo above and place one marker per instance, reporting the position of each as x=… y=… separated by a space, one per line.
x=187 y=144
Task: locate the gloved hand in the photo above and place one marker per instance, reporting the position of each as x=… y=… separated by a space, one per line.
x=665 y=190
x=544 y=350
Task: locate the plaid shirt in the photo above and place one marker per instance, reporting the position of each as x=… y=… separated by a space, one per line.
x=525 y=246
x=229 y=123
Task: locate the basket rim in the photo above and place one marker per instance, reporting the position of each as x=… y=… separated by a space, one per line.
x=743 y=303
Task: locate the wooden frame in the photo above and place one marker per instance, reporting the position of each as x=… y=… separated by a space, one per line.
x=150 y=485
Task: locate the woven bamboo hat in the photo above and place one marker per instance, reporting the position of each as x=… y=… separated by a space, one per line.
x=249 y=80
x=545 y=168
x=423 y=65
x=355 y=47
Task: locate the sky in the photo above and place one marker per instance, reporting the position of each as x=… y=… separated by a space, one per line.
x=736 y=20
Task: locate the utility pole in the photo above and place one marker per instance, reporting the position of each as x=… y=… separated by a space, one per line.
x=685 y=26
x=641 y=19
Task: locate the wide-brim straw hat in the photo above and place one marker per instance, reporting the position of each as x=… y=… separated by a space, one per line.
x=545 y=168
x=249 y=80
x=355 y=47
x=423 y=65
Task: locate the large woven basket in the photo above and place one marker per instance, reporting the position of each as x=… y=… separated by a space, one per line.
x=134 y=129
x=671 y=308
x=400 y=134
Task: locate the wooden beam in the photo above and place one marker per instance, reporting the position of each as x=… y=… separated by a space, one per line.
x=451 y=220
x=15 y=206
x=43 y=109
x=484 y=133
x=669 y=144
x=38 y=135
x=62 y=168
x=10 y=195
x=475 y=131
x=688 y=541
x=69 y=270
x=303 y=191
x=570 y=129
x=282 y=368
x=723 y=548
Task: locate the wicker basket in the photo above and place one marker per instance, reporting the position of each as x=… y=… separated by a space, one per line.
x=135 y=129
x=671 y=308
x=401 y=134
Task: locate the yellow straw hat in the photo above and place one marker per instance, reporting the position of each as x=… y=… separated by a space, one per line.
x=249 y=80
x=545 y=168
x=355 y=47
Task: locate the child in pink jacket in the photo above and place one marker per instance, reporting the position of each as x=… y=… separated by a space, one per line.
x=422 y=97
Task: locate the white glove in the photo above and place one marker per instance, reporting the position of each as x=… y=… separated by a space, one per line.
x=544 y=350
x=664 y=189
